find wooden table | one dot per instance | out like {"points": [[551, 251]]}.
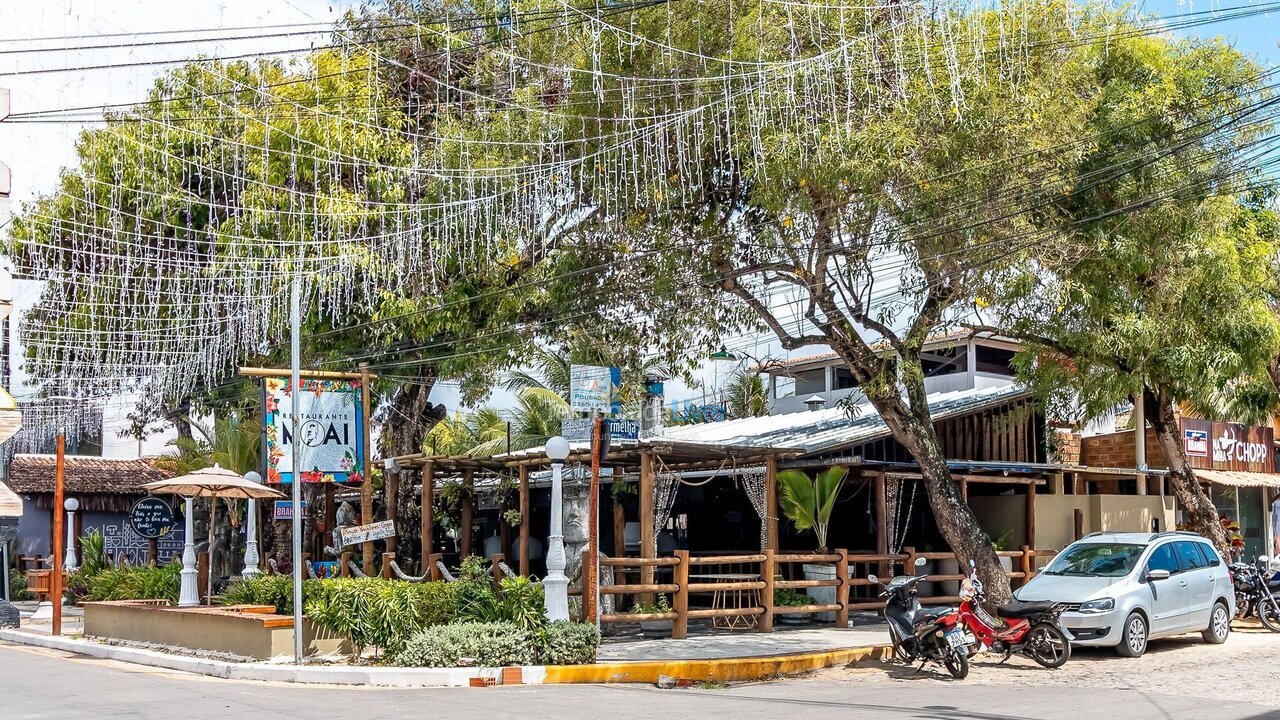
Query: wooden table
{"points": [[734, 599]]}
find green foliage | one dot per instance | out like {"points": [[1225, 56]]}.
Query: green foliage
{"points": [[809, 503], [497, 644], [92, 547], [145, 582], [18, 585], [786, 597], [519, 601], [746, 395], [660, 604], [569, 643], [479, 643]]}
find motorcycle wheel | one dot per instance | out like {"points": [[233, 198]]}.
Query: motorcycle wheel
{"points": [[1269, 613], [1242, 606], [1047, 645], [957, 663]]}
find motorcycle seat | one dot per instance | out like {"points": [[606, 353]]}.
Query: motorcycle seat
{"points": [[1020, 609], [929, 614]]}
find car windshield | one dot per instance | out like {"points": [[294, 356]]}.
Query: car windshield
{"points": [[1096, 560]]}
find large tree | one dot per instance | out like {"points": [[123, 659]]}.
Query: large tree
{"points": [[1159, 290]]}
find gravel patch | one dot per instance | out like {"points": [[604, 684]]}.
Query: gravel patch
{"points": [[1243, 669]]}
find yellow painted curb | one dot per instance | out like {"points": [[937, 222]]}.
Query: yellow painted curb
{"points": [[752, 668]]}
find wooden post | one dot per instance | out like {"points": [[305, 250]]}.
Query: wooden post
{"points": [[964, 490], [391, 492], [504, 529], [468, 511], [768, 569], [910, 567], [366, 484], [495, 562], [648, 543], [619, 516], [55, 569], [1027, 565], [433, 566], [344, 570], [202, 576], [153, 551], [1079, 513], [524, 520], [680, 628], [428, 505], [842, 590], [387, 559], [1031, 515], [771, 501]]}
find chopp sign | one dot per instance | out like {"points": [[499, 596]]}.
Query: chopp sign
{"points": [[1228, 446]]}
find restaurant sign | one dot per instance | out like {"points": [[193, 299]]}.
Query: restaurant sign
{"points": [[1228, 446], [331, 430]]}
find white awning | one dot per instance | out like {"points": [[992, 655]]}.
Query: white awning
{"points": [[10, 503], [1240, 478]]}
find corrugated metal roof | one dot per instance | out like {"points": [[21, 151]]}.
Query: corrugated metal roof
{"points": [[816, 431]]}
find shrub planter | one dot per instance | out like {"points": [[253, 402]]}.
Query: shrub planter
{"points": [[821, 595], [656, 628], [797, 618]]}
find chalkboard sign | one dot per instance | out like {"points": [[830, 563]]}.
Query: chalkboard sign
{"points": [[151, 518]]}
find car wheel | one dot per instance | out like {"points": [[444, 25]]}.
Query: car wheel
{"points": [[1219, 625], [1133, 642]]}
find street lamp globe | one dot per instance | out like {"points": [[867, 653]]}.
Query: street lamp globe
{"points": [[253, 476], [71, 505], [557, 449]]}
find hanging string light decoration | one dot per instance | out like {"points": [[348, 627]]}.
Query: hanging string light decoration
{"points": [[381, 169]]}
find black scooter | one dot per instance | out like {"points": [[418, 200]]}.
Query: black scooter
{"points": [[926, 635]]}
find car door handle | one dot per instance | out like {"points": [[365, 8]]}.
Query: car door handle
{"points": [[1182, 583]]}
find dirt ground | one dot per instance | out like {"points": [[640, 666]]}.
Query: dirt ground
{"points": [[1245, 668]]}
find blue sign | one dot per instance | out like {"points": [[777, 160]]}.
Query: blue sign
{"points": [[618, 428]]}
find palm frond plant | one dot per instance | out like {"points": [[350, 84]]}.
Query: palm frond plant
{"points": [[808, 503], [746, 395]]}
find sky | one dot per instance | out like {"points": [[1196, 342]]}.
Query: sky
{"points": [[37, 152]]}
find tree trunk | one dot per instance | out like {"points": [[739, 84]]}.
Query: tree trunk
{"points": [[411, 415], [954, 517], [1202, 516]]}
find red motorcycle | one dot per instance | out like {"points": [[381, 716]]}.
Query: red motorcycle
{"points": [[1026, 628]]}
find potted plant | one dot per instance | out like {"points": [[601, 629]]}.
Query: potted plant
{"points": [[654, 628], [808, 504], [786, 597]]}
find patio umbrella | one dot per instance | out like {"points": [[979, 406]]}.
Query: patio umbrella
{"points": [[212, 482]]}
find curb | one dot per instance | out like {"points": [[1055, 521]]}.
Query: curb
{"points": [[726, 669]]}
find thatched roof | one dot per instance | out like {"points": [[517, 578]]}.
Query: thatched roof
{"points": [[32, 474]]}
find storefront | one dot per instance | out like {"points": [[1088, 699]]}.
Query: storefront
{"points": [[1237, 463]]}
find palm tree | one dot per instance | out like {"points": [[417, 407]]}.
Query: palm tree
{"points": [[488, 432], [809, 503], [746, 395]]}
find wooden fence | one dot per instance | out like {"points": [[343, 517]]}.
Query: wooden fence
{"points": [[853, 591]]}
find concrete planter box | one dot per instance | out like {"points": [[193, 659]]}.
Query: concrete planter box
{"points": [[822, 595], [254, 631]]}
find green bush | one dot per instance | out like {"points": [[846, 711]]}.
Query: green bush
{"points": [[18, 585], [146, 582], [274, 590], [569, 643], [481, 644], [518, 601]]}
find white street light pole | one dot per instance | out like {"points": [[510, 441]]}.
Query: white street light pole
{"points": [[295, 402], [251, 533], [69, 562], [555, 584], [189, 594]]}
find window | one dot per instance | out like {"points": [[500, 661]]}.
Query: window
{"points": [[1163, 558], [1096, 560], [844, 379], [944, 361], [1190, 555], [1211, 558], [996, 361]]}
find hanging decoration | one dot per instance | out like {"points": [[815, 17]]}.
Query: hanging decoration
{"points": [[753, 484]]}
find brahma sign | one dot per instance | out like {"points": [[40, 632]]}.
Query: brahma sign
{"points": [[1228, 446]]}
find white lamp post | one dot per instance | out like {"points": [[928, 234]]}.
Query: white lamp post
{"points": [[251, 533], [189, 594], [69, 562], [555, 585]]}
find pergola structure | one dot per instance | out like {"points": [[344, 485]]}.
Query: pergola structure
{"points": [[625, 458]]}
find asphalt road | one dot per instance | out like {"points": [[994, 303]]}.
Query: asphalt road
{"points": [[48, 685]]}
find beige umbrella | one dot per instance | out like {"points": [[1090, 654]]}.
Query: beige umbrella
{"points": [[212, 482]]}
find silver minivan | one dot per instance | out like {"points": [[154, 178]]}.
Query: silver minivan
{"points": [[1124, 589]]}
